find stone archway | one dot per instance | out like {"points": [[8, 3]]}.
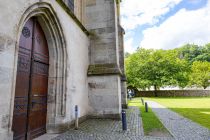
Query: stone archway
{"points": [[56, 104]]}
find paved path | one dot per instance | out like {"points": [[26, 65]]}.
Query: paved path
{"points": [[181, 128], [105, 129]]}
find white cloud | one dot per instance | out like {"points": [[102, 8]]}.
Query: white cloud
{"points": [[129, 46], [139, 12], [184, 27]]}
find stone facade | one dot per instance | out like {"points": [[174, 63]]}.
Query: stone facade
{"points": [[103, 24], [86, 59]]}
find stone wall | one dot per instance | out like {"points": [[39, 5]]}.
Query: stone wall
{"points": [[101, 21], [72, 53], [104, 71], [122, 66], [175, 93], [104, 96], [69, 61]]}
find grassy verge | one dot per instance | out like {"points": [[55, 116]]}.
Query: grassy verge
{"points": [[197, 109], [151, 123]]}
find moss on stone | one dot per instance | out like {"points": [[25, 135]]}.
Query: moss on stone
{"points": [[103, 69]]}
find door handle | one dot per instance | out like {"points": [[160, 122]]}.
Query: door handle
{"points": [[35, 95]]}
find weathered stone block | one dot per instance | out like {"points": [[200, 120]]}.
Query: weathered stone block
{"points": [[105, 98]]}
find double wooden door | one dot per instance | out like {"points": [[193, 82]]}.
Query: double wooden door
{"points": [[30, 104]]}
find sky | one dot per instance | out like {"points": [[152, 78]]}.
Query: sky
{"points": [[165, 24]]}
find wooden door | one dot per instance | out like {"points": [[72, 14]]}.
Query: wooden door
{"points": [[30, 106], [22, 82], [39, 84]]}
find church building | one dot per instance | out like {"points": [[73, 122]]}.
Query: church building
{"points": [[55, 55]]}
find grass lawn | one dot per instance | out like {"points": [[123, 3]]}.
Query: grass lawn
{"points": [[151, 124], [195, 108]]}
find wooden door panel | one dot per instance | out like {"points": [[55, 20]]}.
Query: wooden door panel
{"points": [[39, 85], [38, 110], [41, 53], [30, 105], [19, 126]]}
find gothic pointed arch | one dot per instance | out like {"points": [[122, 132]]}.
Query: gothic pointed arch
{"points": [[56, 98]]}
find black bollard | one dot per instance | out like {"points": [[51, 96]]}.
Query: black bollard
{"points": [[124, 122], [146, 107], [142, 101]]}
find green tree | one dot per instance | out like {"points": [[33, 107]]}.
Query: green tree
{"points": [[205, 55], [133, 65], [156, 68], [191, 52], [200, 74]]}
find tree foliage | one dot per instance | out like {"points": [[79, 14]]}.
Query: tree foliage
{"points": [[147, 68], [181, 67], [191, 52], [200, 75]]}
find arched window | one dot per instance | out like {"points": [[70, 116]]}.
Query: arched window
{"points": [[71, 5], [77, 7]]}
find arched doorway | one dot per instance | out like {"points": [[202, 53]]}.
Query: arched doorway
{"points": [[30, 103]]}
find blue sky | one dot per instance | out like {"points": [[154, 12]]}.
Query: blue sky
{"points": [[165, 24]]}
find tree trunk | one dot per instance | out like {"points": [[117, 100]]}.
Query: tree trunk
{"points": [[155, 86]]}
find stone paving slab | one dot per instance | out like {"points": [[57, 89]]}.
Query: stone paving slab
{"points": [[157, 138], [46, 137], [105, 129], [180, 127]]}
